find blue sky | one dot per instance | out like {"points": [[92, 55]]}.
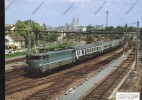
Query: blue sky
{"points": [[50, 12]]}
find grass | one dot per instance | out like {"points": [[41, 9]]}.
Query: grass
{"points": [[16, 54]]}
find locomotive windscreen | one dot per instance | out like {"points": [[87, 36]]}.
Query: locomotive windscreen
{"points": [[34, 57]]}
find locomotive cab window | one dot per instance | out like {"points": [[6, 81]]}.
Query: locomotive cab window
{"points": [[36, 58]]}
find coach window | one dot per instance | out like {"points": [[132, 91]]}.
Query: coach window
{"points": [[98, 48], [78, 52], [92, 49], [82, 51], [87, 50]]}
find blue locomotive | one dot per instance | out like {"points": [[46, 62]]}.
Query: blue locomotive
{"points": [[45, 61]]}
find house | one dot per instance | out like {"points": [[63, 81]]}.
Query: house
{"points": [[14, 41]]}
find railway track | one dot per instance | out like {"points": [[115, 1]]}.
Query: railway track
{"points": [[20, 85], [9, 61], [14, 72], [99, 92], [60, 82]]}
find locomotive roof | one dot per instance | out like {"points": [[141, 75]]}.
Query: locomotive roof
{"points": [[50, 52]]}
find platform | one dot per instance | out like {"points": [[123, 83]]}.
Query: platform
{"points": [[79, 91]]}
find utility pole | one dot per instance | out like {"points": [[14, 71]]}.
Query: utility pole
{"points": [[29, 37], [107, 12], [123, 46], [88, 40], [44, 29], [136, 46]]}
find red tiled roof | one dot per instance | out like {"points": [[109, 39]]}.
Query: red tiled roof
{"points": [[17, 37]]}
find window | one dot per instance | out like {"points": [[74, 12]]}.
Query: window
{"points": [[100, 48], [73, 51], [45, 57], [87, 50], [36, 57], [92, 49], [78, 52], [83, 52]]}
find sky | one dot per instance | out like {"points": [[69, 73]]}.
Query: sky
{"points": [[59, 12]]}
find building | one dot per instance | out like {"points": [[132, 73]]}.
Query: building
{"points": [[75, 23], [14, 41], [9, 26]]}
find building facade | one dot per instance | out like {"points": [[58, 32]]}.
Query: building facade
{"points": [[14, 41]]}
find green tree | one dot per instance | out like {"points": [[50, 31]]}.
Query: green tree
{"points": [[51, 37], [119, 28], [110, 28], [131, 28], [22, 28]]}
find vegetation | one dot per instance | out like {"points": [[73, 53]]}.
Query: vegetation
{"points": [[59, 46], [121, 28], [24, 25], [11, 55], [16, 54], [51, 37]]}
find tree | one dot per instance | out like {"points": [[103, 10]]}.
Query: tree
{"points": [[110, 28], [24, 25], [51, 37], [119, 28], [131, 28]]}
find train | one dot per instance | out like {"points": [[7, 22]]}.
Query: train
{"points": [[42, 62]]}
